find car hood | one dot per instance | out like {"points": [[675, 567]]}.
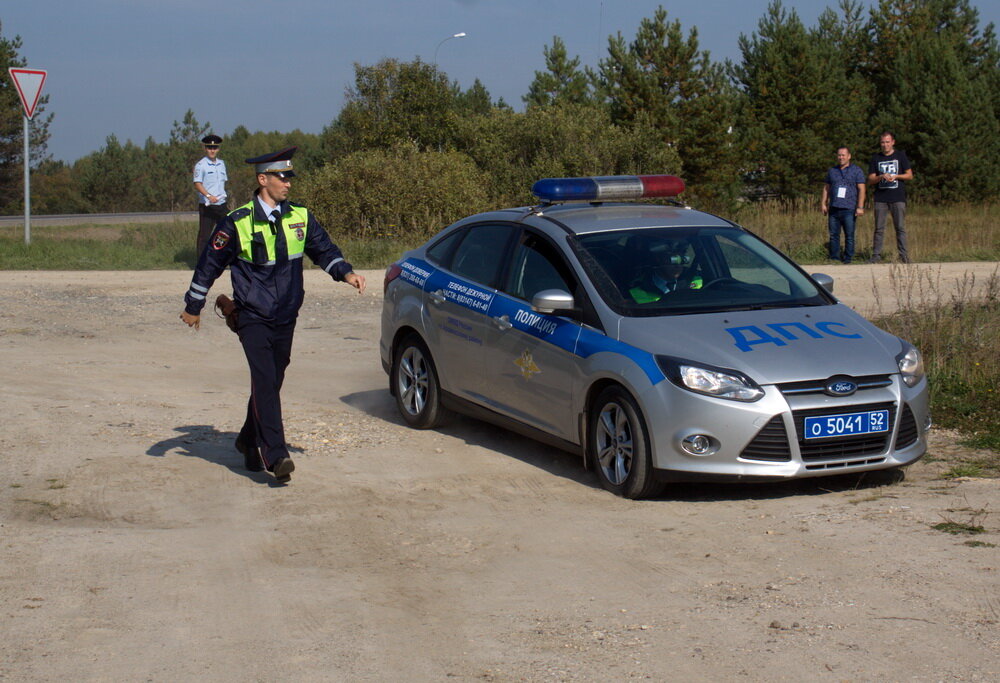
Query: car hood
{"points": [[771, 346]]}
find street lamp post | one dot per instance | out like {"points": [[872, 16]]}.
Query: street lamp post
{"points": [[457, 35]]}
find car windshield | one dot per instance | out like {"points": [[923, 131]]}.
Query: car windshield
{"points": [[675, 271]]}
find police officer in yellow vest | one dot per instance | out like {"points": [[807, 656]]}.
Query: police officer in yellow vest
{"points": [[263, 242]]}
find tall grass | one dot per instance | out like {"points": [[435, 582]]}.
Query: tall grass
{"points": [[936, 234], [959, 337], [957, 232]]}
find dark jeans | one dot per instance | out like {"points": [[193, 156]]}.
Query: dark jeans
{"points": [[268, 349], [208, 216], [898, 212], [837, 219]]}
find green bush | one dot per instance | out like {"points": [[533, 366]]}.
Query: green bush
{"points": [[398, 193], [516, 149]]}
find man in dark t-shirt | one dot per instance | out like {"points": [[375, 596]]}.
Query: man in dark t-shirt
{"points": [[888, 172]]}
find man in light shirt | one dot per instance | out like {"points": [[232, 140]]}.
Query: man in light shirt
{"points": [[210, 183]]}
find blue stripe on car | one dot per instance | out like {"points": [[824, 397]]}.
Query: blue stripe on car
{"points": [[580, 341]]}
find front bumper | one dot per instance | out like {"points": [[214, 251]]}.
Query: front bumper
{"points": [[762, 440]]}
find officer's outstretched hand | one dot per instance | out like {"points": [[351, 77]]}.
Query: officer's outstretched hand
{"points": [[356, 281], [191, 320]]}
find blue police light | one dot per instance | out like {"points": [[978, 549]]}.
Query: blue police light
{"points": [[607, 188]]}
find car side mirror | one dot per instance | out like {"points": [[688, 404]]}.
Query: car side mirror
{"points": [[824, 281], [553, 301]]}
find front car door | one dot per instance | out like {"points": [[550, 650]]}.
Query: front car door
{"points": [[533, 372]]}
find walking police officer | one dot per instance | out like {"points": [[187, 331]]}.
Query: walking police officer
{"points": [[263, 242]]}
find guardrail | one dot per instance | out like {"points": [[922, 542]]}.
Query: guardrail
{"points": [[102, 218]]}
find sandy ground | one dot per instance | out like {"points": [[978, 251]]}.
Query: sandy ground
{"points": [[133, 545]]}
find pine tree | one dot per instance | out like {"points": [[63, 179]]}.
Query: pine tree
{"points": [[664, 81], [800, 103], [937, 82], [562, 83]]}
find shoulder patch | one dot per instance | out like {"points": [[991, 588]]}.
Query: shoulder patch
{"points": [[220, 240]]}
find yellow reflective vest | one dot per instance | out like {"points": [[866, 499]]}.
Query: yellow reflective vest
{"points": [[259, 240]]}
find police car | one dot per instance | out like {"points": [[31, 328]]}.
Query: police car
{"points": [[659, 342]]}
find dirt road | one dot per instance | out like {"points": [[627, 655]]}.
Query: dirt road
{"points": [[133, 545]]}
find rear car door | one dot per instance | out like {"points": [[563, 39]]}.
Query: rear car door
{"points": [[459, 295]]}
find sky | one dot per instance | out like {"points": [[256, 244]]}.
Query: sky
{"points": [[133, 67]]}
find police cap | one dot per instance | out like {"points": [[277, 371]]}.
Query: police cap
{"points": [[213, 140], [279, 163]]}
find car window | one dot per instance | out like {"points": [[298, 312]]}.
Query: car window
{"points": [[440, 252], [664, 271], [536, 266], [478, 256], [747, 266]]}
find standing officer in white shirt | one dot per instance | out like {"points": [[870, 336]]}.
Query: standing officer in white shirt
{"points": [[210, 182]]}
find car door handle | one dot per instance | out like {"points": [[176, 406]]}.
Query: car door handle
{"points": [[503, 322], [437, 297]]}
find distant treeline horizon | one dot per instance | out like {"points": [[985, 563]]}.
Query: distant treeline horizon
{"points": [[410, 150]]}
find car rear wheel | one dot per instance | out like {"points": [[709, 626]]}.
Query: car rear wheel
{"points": [[619, 445], [415, 384]]}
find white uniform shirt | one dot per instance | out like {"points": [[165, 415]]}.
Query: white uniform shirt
{"points": [[211, 174]]}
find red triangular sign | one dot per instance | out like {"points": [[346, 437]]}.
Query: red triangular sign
{"points": [[29, 84]]}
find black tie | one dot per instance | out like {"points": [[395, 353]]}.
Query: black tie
{"points": [[280, 244]]}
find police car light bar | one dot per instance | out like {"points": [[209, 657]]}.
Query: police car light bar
{"points": [[607, 188]]}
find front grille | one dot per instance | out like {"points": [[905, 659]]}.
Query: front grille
{"points": [[843, 447], [908, 434], [843, 463], [818, 386], [770, 444]]}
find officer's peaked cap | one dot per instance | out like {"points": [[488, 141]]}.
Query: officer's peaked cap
{"points": [[279, 163], [212, 139]]}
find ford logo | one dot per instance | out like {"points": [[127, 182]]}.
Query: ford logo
{"points": [[839, 386]]}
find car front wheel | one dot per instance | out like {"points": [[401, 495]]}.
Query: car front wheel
{"points": [[415, 384], [619, 445]]}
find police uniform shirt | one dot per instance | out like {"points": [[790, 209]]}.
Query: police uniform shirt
{"points": [[211, 174], [271, 292]]}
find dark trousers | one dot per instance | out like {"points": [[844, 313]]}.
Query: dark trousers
{"points": [[208, 216], [898, 212], [268, 349], [836, 220]]}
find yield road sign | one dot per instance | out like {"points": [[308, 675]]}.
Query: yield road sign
{"points": [[29, 87]]}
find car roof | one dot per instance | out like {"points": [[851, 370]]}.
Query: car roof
{"points": [[585, 217]]}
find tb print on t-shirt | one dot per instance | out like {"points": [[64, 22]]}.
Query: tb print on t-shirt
{"points": [[888, 166]]}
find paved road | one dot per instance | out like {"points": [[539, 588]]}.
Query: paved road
{"points": [[102, 218]]}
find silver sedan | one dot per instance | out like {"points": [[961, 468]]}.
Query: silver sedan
{"points": [[658, 342]]}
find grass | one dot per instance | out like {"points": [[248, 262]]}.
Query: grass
{"points": [[958, 528], [962, 232], [959, 337], [148, 246]]}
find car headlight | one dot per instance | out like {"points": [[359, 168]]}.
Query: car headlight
{"points": [[702, 379], [911, 364]]}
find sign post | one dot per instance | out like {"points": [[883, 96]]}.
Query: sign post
{"points": [[29, 84]]}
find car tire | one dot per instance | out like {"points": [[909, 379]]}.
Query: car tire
{"points": [[415, 384], [618, 445]]}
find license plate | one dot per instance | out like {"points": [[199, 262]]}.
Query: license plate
{"points": [[848, 424]]}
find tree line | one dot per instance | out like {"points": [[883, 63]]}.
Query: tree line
{"points": [[410, 150]]}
